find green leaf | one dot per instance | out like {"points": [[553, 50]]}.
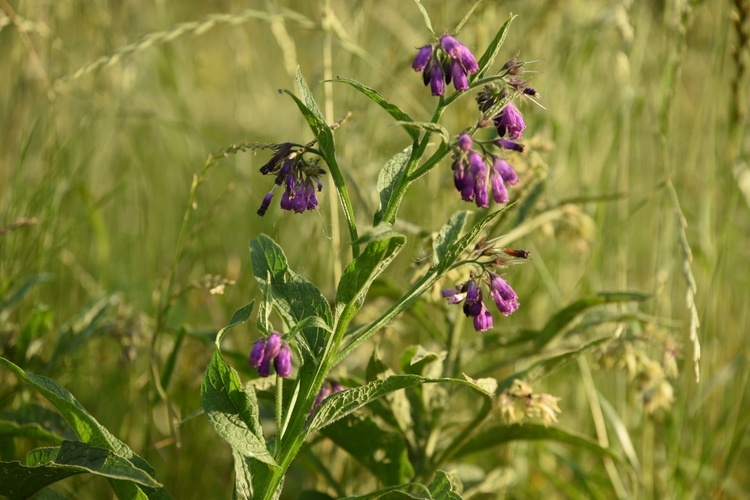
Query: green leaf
{"points": [[429, 126], [466, 17], [389, 178], [243, 488], [392, 109], [491, 437], [426, 17], [294, 297], [362, 271], [88, 429], [454, 250], [232, 410], [485, 62], [35, 421], [563, 319], [73, 457], [442, 487], [343, 403], [383, 453], [448, 234], [24, 288]]}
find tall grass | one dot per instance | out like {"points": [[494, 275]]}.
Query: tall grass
{"points": [[107, 111]]}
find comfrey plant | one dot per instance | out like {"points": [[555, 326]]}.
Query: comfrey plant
{"points": [[469, 263]]}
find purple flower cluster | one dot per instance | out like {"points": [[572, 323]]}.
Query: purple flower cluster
{"points": [[470, 172], [271, 349], [299, 176], [445, 61], [470, 293]]}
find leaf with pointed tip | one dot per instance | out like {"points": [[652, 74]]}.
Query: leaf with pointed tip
{"points": [[232, 409], [454, 250], [295, 298], [362, 271], [448, 234], [485, 62], [389, 177], [87, 428], [35, 421], [496, 435], [562, 320], [425, 17], [343, 403], [72, 458], [392, 109]]}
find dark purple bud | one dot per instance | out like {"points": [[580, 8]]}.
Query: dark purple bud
{"points": [[464, 142], [506, 171], [423, 57], [436, 78], [473, 305], [265, 204], [503, 295], [499, 191], [283, 362], [467, 190], [256, 354], [530, 91], [510, 121], [284, 173], [510, 145], [483, 320], [460, 82], [282, 151], [479, 171], [336, 387], [286, 201]]}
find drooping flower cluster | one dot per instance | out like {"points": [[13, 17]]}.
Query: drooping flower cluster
{"points": [[271, 350], [443, 62], [470, 172], [299, 176], [470, 293]]}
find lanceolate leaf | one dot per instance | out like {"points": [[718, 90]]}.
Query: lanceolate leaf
{"points": [[294, 297], [392, 109], [362, 271], [341, 404], [485, 62], [231, 408], [383, 453], [425, 17], [448, 234], [501, 434], [565, 317], [88, 429], [73, 457], [389, 178], [454, 250]]}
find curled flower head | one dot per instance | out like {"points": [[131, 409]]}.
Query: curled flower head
{"points": [[299, 176], [510, 121], [271, 350], [503, 295], [449, 60]]}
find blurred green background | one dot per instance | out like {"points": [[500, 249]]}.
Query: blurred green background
{"points": [[96, 167]]}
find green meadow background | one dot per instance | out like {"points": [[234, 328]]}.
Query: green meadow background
{"points": [[108, 110]]}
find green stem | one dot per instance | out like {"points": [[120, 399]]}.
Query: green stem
{"points": [[346, 204], [279, 409]]}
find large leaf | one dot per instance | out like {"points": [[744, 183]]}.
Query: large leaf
{"points": [[485, 62], [231, 408], [88, 429], [496, 435], [562, 320], [362, 271], [73, 457], [383, 453], [390, 176], [343, 403], [392, 109], [295, 298], [449, 234]]}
